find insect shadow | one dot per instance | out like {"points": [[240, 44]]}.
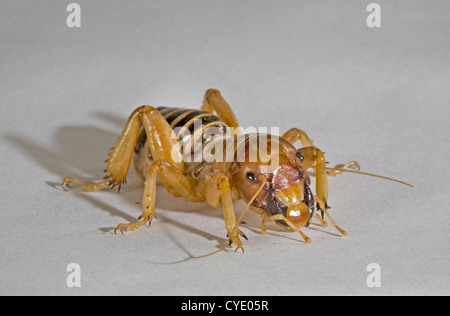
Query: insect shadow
{"points": [[74, 150], [80, 150]]}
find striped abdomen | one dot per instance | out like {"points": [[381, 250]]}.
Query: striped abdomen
{"points": [[192, 128], [183, 120]]}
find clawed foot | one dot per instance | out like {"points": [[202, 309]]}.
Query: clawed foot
{"points": [[234, 239], [133, 226], [237, 243], [87, 187], [66, 181]]}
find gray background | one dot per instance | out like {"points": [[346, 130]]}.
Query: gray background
{"points": [[379, 96]]}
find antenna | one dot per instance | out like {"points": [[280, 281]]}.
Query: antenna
{"points": [[363, 173]]}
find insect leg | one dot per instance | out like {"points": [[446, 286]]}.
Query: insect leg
{"points": [[314, 157], [218, 191], [295, 134], [166, 151], [86, 187], [213, 101], [263, 218], [162, 141], [120, 156], [324, 210], [173, 178], [322, 221]]}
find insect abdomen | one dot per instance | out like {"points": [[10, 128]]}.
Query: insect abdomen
{"points": [[192, 126], [186, 119]]}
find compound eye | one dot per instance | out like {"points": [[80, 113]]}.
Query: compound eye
{"points": [[252, 177], [300, 156]]}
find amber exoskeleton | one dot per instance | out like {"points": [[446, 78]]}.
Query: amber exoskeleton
{"points": [[202, 155]]}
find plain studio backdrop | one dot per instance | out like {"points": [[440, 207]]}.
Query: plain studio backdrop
{"points": [[376, 95]]}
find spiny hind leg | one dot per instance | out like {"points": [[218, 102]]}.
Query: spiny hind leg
{"points": [[120, 156], [86, 187], [161, 138], [173, 179]]}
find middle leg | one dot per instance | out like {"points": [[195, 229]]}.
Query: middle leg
{"points": [[166, 151], [171, 177]]}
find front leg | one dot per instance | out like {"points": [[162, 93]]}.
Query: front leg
{"points": [[218, 191], [314, 158]]}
